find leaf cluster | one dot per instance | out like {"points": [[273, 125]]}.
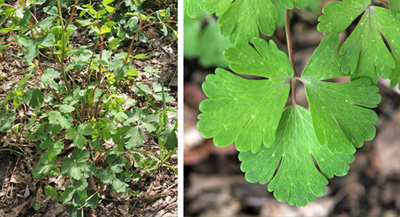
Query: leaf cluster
{"points": [[278, 145]]}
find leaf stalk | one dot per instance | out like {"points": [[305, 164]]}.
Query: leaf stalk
{"points": [[290, 53]]}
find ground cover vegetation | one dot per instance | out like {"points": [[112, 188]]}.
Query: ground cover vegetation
{"points": [[90, 114]]}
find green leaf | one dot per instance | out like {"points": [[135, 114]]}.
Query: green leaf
{"points": [[35, 98], [78, 167], [236, 108], [93, 202], [64, 120], [364, 53], [50, 155], [108, 131], [336, 108], [109, 8], [73, 211], [105, 29], [135, 137], [66, 108], [297, 180], [114, 43], [119, 73], [51, 10], [35, 205], [47, 78], [50, 191], [41, 170], [47, 143], [79, 198], [290, 4], [47, 40], [67, 195], [85, 22], [106, 2], [115, 162], [80, 185], [37, 2], [119, 186], [340, 14], [145, 163], [150, 123], [193, 7], [395, 74], [120, 117], [77, 134], [170, 138], [394, 6], [47, 22], [105, 176], [31, 47], [243, 19], [141, 56], [6, 120]]}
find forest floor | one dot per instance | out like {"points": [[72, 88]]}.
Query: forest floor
{"points": [[157, 190], [215, 185]]}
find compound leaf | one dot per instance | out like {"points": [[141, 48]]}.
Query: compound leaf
{"points": [[31, 48], [135, 137], [77, 135], [105, 176], [297, 179], [41, 170], [47, 78], [115, 162], [64, 120], [339, 111], [364, 53], [245, 111], [78, 167], [35, 97]]}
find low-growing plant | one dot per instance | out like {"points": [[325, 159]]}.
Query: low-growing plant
{"points": [[279, 145], [83, 120]]}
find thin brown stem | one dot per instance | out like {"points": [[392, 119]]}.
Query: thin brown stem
{"points": [[290, 53], [72, 14], [289, 39]]}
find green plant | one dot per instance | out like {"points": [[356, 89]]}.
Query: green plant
{"points": [[86, 127], [252, 113]]}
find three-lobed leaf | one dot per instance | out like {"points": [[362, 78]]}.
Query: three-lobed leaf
{"points": [[64, 120], [78, 167], [336, 108], [364, 53], [77, 134], [297, 179], [35, 98], [245, 111]]}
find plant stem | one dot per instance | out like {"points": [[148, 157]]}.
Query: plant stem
{"points": [[63, 47], [290, 53], [289, 39]]}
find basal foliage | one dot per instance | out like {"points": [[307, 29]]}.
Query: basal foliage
{"points": [[88, 131]]}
